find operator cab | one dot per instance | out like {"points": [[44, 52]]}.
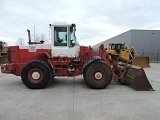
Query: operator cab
{"points": [[63, 40], [117, 47]]}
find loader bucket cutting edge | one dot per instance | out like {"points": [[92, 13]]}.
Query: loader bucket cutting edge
{"points": [[136, 78], [141, 61]]}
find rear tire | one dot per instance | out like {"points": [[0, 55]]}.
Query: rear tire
{"points": [[98, 75], [84, 73], [36, 74]]}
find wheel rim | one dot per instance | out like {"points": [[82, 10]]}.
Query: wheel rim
{"points": [[98, 76], [35, 75]]}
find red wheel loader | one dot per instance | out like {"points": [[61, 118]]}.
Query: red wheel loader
{"points": [[37, 64]]}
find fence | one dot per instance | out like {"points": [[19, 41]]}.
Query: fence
{"points": [[153, 56]]}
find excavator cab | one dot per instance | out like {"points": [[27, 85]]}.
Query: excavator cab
{"points": [[63, 40]]}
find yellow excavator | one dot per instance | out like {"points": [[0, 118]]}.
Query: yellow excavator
{"points": [[119, 52], [3, 52]]}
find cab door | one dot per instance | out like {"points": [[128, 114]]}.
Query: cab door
{"points": [[62, 42], [59, 43]]}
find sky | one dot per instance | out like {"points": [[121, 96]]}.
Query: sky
{"points": [[96, 20]]}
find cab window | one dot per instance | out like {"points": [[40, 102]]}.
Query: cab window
{"points": [[60, 36]]}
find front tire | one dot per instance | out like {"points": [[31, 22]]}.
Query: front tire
{"points": [[98, 75], [36, 74]]}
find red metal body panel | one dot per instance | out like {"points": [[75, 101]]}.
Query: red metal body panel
{"points": [[19, 57], [26, 56], [59, 65]]}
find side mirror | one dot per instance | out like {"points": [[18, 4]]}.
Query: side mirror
{"points": [[72, 43]]}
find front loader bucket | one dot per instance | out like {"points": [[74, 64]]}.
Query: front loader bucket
{"points": [[136, 78], [141, 61]]}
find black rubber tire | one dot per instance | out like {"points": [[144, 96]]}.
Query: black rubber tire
{"points": [[52, 72], [84, 73], [101, 69], [43, 70]]}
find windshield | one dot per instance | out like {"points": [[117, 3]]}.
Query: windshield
{"points": [[117, 46], [73, 38]]}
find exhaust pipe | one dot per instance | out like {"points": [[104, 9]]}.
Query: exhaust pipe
{"points": [[29, 37]]}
